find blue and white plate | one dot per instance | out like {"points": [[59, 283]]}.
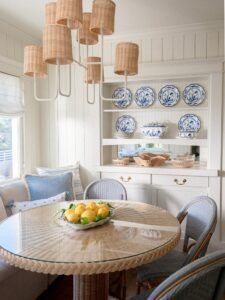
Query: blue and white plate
{"points": [[122, 93], [194, 94], [189, 122], [169, 95], [126, 124], [144, 97]]}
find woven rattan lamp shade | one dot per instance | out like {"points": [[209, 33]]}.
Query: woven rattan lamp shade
{"points": [[102, 18], [50, 13], [93, 72], [57, 45], [70, 13], [126, 59], [86, 36], [33, 62]]}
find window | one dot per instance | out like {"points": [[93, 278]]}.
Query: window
{"points": [[11, 112], [10, 154]]}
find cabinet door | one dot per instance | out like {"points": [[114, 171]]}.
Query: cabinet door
{"points": [[173, 200], [139, 193], [137, 185]]}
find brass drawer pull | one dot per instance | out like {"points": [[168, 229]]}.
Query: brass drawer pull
{"points": [[180, 183], [128, 179]]}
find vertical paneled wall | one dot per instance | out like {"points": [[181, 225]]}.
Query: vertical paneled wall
{"points": [[189, 42], [12, 42], [70, 127]]}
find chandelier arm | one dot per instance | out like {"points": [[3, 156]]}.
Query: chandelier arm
{"points": [[59, 82], [78, 62], [87, 89], [43, 99], [101, 81]]}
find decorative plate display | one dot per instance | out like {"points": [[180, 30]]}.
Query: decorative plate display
{"points": [[189, 122], [126, 124], [122, 93], [80, 216], [194, 94], [144, 96], [169, 95]]}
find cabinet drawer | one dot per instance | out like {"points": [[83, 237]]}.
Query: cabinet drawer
{"points": [[186, 181], [127, 178]]}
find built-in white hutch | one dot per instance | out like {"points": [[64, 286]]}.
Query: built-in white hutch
{"points": [[165, 186]]}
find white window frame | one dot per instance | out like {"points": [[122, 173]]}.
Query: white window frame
{"points": [[14, 68]]}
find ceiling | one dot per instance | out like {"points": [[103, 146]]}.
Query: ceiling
{"points": [[131, 15]]}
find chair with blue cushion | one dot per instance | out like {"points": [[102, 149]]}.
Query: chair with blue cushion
{"points": [[201, 218], [203, 279], [105, 189]]}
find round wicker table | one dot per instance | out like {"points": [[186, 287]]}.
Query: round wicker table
{"points": [[38, 241]]}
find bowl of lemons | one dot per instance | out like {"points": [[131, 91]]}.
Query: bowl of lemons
{"points": [[82, 216]]}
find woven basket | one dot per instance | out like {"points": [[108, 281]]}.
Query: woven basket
{"points": [[33, 62], [85, 35], [120, 162], [93, 73], [57, 45], [50, 13], [69, 12], [126, 59], [103, 17]]}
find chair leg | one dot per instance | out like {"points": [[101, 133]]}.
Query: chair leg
{"points": [[123, 285], [138, 288]]}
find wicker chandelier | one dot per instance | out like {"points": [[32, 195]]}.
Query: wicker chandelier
{"points": [[61, 18]]}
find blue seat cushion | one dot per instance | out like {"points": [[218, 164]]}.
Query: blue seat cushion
{"points": [[42, 187], [163, 267]]}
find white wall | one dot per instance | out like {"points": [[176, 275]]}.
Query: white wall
{"points": [[69, 127], [12, 42]]}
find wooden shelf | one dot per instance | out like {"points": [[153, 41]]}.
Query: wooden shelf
{"points": [[158, 109], [189, 142]]}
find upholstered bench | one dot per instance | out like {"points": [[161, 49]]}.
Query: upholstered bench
{"points": [[18, 284], [15, 283]]}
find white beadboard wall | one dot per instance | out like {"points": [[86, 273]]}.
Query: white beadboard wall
{"points": [[12, 42], [70, 127], [190, 42]]}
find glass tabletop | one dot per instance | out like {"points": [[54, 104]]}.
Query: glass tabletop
{"points": [[135, 229]]}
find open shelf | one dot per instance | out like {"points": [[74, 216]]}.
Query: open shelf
{"points": [[163, 109], [167, 169], [183, 142]]}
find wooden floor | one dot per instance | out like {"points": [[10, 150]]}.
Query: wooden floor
{"points": [[62, 288]]}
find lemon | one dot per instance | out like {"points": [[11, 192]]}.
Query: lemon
{"points": [[103, 205], [92, 206], [68, 211], [81, 204], [79, 210], [103, 212], [89, 214], [73, 218]]}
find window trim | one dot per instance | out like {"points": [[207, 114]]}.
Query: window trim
{"points": [[14, 68]]}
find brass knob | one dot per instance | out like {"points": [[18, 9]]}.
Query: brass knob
{"points": [[125, 180], [180, 183]]}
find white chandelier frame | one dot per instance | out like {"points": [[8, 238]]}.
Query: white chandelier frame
{"points": [[85, 66]]}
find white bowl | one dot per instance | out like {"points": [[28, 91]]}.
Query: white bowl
{"points": [[186, 134], [154, 130]]}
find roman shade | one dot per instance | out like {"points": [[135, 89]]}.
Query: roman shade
{"points": [[11, 95]]}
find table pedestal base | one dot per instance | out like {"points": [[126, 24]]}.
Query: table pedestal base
{"points": [[91, 287]]}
